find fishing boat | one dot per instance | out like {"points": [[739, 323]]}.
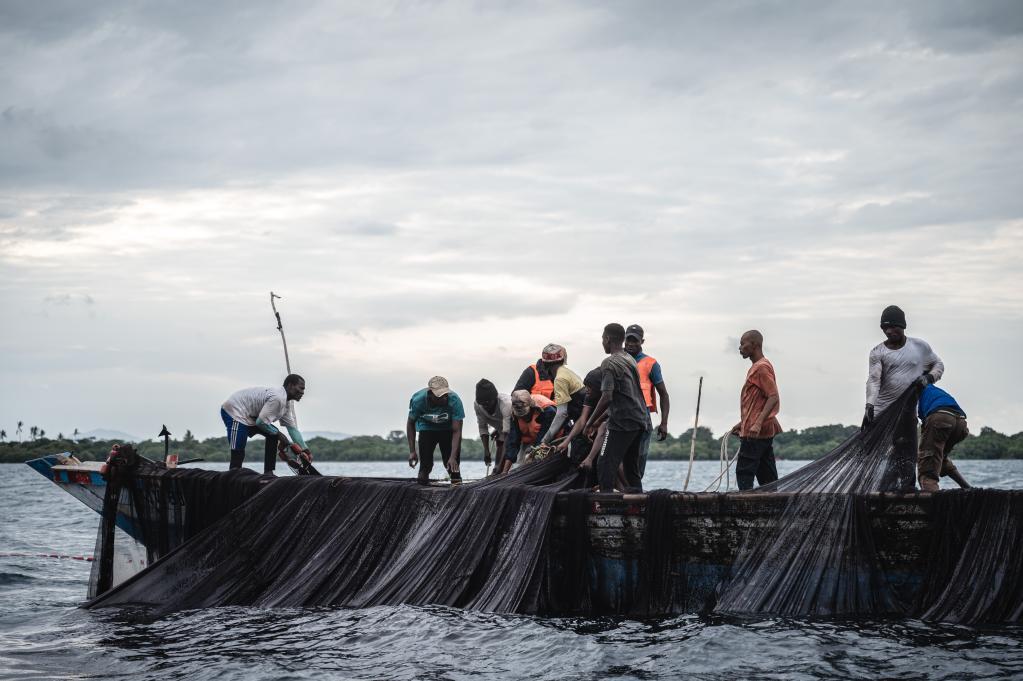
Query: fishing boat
{"points": [[604, 535]]}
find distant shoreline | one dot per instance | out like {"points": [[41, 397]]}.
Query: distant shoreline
{"points": [[805, 445]]}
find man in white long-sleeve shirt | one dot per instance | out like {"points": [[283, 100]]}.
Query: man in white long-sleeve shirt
{"points": [[253, 411], [895, 365]]}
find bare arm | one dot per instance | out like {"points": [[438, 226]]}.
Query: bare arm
{"points": [[559, 418], [770, 404], [485, 439], [577, 428], [602, 405], [410, 434], [662, 394]]}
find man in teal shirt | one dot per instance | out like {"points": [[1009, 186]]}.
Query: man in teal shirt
{"points": [[435, 415]]}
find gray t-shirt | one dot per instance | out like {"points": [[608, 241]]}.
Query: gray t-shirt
{"points": [[500, 420], [890, 371], [627, 410]]}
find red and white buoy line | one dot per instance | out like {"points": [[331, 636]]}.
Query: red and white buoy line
{"points": [[88, 559]]}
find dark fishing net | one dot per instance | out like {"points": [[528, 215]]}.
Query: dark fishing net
{"points": [[314, 541], [658, 560], [818, 557], [569, 591], [167, 507], [974, 568]]}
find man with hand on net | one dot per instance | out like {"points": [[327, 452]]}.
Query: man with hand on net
{"points": [[435, 414], [253, 411], [894, 365], [944, 426], [628, 417], [493, 410], [569, 391], [533, 415]]}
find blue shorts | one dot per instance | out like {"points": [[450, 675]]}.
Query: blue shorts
{"points": [[237, 433]]}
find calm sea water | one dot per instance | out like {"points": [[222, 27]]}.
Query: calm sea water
{"points": [[44, 635]]}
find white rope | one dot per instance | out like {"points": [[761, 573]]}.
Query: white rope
{"points": [[726, 464]]}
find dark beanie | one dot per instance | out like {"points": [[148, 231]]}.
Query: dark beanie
{"points": [[485, 391], [893, 316]]}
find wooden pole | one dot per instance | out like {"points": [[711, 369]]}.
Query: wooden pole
{"points": [[692, 441], [280, 327]]}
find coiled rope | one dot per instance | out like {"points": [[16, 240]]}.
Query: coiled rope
{"points": [[726, 465]]}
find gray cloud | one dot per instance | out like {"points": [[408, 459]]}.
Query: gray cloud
{"points": [[503, 174]]}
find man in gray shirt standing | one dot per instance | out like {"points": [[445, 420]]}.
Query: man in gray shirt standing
{"points": [[628, 417], [895, 365]]}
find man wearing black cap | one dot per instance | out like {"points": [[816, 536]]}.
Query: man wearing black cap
{"points": [[896, 364], [493, 410], [651, 381]]}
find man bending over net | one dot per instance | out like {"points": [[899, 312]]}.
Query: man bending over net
{"points": [[253, 411]]}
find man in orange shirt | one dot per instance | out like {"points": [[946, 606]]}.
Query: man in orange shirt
{"points": [[758, 407]]}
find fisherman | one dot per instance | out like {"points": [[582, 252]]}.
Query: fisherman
{"points": [[253, 411], [651, 381], [895, 365], [628, 417], [435, 413], [569, 391], [758, 410], [493, 410], [587, 434], [533, 416], [944, 426], [538, 377]]}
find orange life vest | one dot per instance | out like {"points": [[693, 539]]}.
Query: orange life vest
{"points": [[544, 388], [529, 425], [644, 367]]}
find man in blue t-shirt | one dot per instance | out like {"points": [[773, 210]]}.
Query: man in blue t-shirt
{"points": [[435, 414], [944, 427]]}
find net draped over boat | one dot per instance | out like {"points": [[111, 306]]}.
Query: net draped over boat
{"points": [[318, 541], [820, 558], [348, 542]]}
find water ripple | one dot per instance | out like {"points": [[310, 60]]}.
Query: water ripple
{"points": [[43, 635]]}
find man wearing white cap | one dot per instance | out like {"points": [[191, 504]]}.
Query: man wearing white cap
{"points": [[435, 414]]}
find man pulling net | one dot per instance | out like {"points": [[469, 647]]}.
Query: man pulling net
{"points": [[253, 411]]}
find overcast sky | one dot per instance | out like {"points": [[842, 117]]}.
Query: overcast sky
{"points": [[443, 188]]}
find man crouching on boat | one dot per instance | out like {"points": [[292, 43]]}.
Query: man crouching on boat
{"points": [[253, 411]]}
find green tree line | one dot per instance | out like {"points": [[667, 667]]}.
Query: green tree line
{"points": [[809, 443]]}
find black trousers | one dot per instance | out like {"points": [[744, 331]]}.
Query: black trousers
{"points": [[621, 447], [269, 455], [756, 460], [428, 441]]}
